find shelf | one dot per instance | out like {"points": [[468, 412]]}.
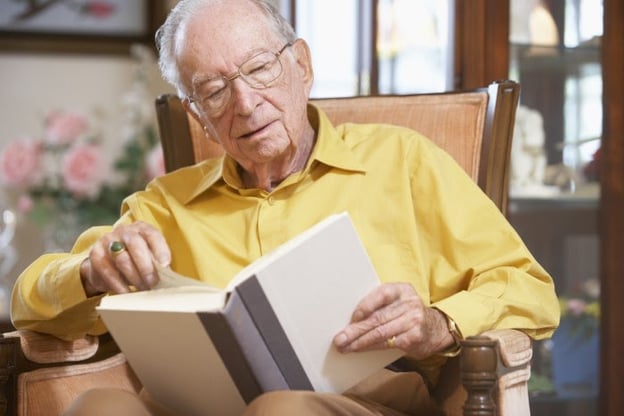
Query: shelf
{"points": [[533, 57], [586, 197]]}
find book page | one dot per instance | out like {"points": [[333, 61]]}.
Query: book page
{"points": [[174, 292], [169, 278], [173, 299]]}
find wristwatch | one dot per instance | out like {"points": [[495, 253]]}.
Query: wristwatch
{"points": [[454, 349]]}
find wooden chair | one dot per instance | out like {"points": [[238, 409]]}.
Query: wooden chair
{"points": [[41, 375]]}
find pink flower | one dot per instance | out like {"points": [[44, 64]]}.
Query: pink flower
{"points": [[20, 163], [64, 128], [98, 9], [25, 204], [155, 163], [577, 306], [83, 170]]}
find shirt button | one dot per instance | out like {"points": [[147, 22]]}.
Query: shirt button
{"points": [[271, 200]]}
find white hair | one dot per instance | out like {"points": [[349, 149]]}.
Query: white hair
{"points": [[168, 39]]}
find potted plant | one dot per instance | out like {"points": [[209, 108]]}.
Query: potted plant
{"points": [[575, 344]]}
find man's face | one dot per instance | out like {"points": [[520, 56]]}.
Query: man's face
{"points": [[256, 126]]}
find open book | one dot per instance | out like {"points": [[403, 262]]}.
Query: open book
{"points": [[200, 350]]}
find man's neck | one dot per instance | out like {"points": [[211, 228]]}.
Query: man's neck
{"points": [[268, 177]]}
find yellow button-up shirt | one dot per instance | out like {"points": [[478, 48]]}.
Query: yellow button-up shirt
{"points": [[421, 219]]}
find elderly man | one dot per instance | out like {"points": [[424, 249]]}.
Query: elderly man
{"points": [[246, 78]]}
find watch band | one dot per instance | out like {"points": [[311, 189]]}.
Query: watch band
{"points": [[452, 328], [454, 349]]}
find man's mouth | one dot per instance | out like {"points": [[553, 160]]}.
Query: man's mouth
{"points": [[255, 132]]}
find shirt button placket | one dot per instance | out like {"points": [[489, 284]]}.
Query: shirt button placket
{"points": [[269, 224]]}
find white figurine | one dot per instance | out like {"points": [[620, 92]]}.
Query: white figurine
{"points": [[528, 157]]}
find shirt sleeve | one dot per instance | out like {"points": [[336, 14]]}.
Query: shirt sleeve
{"points": [[49, 297], [480, 272]]}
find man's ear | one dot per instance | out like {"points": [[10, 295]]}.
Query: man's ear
{"points": [[304, 61], [186, 103]]}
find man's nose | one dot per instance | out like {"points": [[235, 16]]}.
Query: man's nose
{"points": [[244, 96]]}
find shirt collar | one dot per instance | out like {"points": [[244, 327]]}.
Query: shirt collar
{"points": [[330, 148], [211, 172]]}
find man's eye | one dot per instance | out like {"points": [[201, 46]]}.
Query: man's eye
{"points": [[213, 94], [259, 67]]}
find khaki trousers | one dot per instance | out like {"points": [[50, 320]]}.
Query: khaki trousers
{"points": [[386, 393]]}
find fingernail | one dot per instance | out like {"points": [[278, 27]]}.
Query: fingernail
{"points": [[151, 280], [357, 316], [341, 339], [164, 261]]}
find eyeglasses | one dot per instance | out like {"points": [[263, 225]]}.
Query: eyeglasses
{"points": [[258, 72]]}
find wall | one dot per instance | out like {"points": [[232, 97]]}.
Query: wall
{"points": [[32, 84]]}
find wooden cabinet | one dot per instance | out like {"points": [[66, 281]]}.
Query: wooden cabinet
{"points": [[563, 83], [483, 57], [558, 66], [562, 233]]}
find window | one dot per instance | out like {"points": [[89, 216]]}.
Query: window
{"points": [[410, 53], [414, 47]]}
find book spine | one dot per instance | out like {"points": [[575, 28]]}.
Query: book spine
{"points": [[273, 335], [242, 349]]}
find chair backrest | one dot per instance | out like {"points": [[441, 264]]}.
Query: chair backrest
{"points": [[475, 127]]}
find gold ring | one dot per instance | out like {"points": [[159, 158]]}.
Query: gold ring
{"points": [[115, 248], [390, 342]]}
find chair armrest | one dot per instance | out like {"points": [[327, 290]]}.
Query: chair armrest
{"points": [[495, 370], [47, 349], [41, 374]]}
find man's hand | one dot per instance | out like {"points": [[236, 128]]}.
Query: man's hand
{"points": [[394, 311], [141, 245]]}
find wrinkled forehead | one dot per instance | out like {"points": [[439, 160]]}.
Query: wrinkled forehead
{"points": [[219, 38]]}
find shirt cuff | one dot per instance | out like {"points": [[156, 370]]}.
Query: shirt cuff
{"points": [[453, 329], [69, 288]]}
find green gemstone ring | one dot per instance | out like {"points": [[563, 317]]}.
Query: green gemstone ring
{"points": [[116, 248]]}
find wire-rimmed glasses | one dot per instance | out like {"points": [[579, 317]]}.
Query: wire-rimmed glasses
{"points": [[258, 72]]}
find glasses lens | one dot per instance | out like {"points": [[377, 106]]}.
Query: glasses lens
{"points": [[213, 94], [261, 70]]}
